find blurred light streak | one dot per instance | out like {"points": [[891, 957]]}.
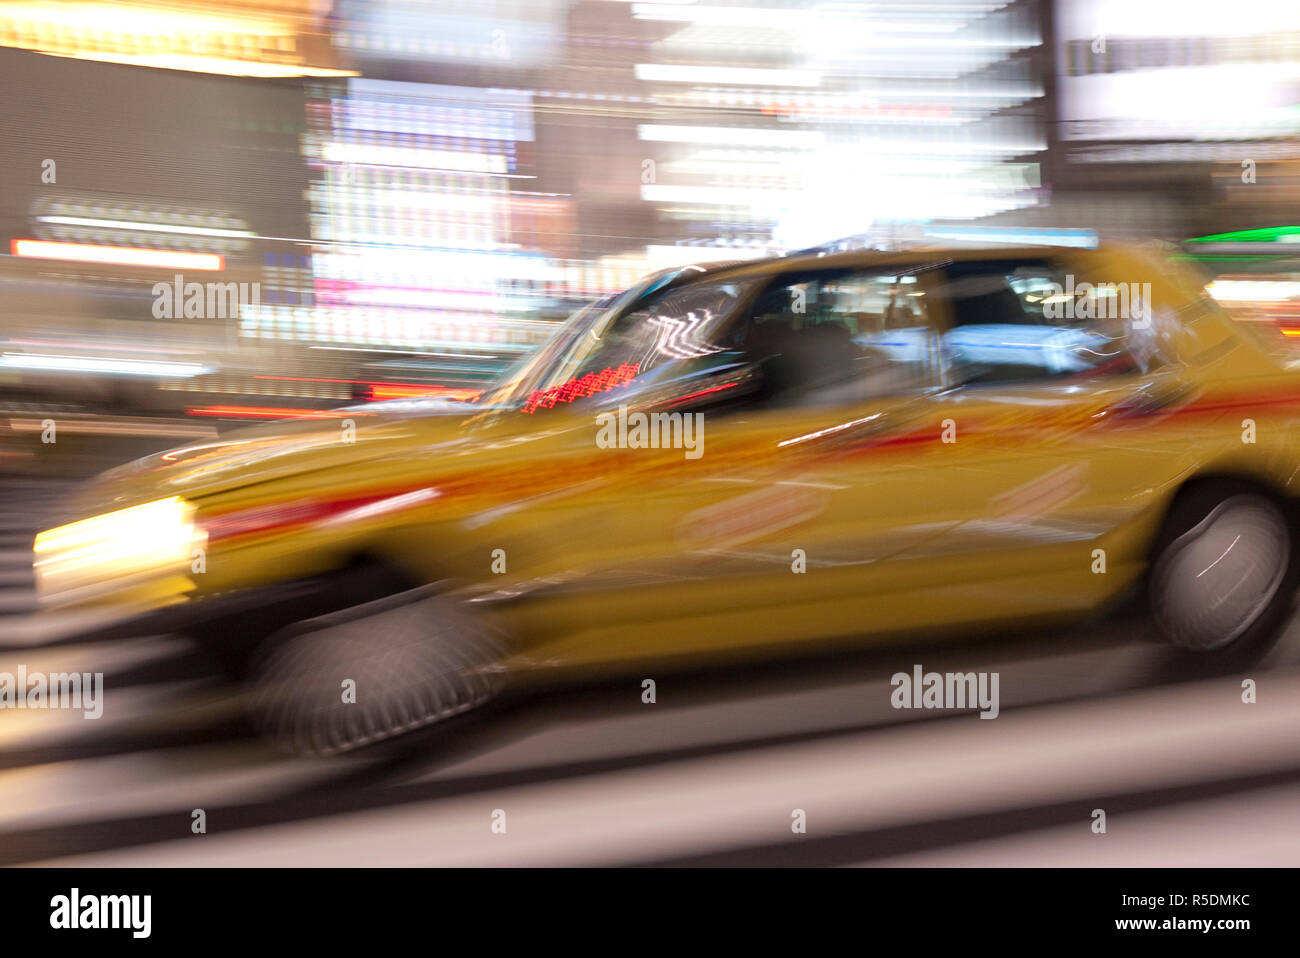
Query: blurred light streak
{"points": [[218, 65], [94, 364], [369, 510], [124, 427], [403, 353], [1288, 235], [1253, 291], [251, 42], [141, 227], [259, 412], [411, 157], [688, 12], [127, 19], [386, 390], [731, 136], [738, 76], [1077, 238], [117, 255], [382, 391], [122, 347]]}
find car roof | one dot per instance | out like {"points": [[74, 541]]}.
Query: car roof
{"points": [[852, 259]]}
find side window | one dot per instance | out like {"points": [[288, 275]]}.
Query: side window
{"points": [[833, 338], [1022, 321]]}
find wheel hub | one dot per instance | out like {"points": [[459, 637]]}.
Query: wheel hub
{"points": [[1217, 578]]}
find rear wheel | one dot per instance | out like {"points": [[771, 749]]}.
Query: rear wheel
{"points": [[1224, 573], [370, 673]]}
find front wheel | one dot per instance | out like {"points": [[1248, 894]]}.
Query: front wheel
{"points": [[373, 672], [1224, 574]]}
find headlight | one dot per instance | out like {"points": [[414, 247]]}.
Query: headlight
{"points": [[94, 555]]}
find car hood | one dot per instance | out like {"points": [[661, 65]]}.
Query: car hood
{"points": [[275, 450]]}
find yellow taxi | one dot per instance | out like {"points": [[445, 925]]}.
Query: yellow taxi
{"points": [[721, 461]]}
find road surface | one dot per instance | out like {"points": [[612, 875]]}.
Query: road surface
{"points": [[717, 771]]}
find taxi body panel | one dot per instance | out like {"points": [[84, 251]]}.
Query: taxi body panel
{"points": [[952, 507]]}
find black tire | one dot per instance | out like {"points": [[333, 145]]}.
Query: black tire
{"points": [[232, 638], [1224, 573], [414, 660]]}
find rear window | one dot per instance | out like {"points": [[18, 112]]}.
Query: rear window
{"points": [[1023, 321]]}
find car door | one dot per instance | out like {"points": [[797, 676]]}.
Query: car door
{"points": [[787, 525], [850, 367], [1063, 427]]}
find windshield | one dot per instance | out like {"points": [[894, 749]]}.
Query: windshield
{"points": [[574, 337]]}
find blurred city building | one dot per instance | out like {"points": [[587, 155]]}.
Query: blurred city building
{"points": [[420, 189]]}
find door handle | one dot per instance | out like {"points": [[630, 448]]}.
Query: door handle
{"points": [[1149, 400]]}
